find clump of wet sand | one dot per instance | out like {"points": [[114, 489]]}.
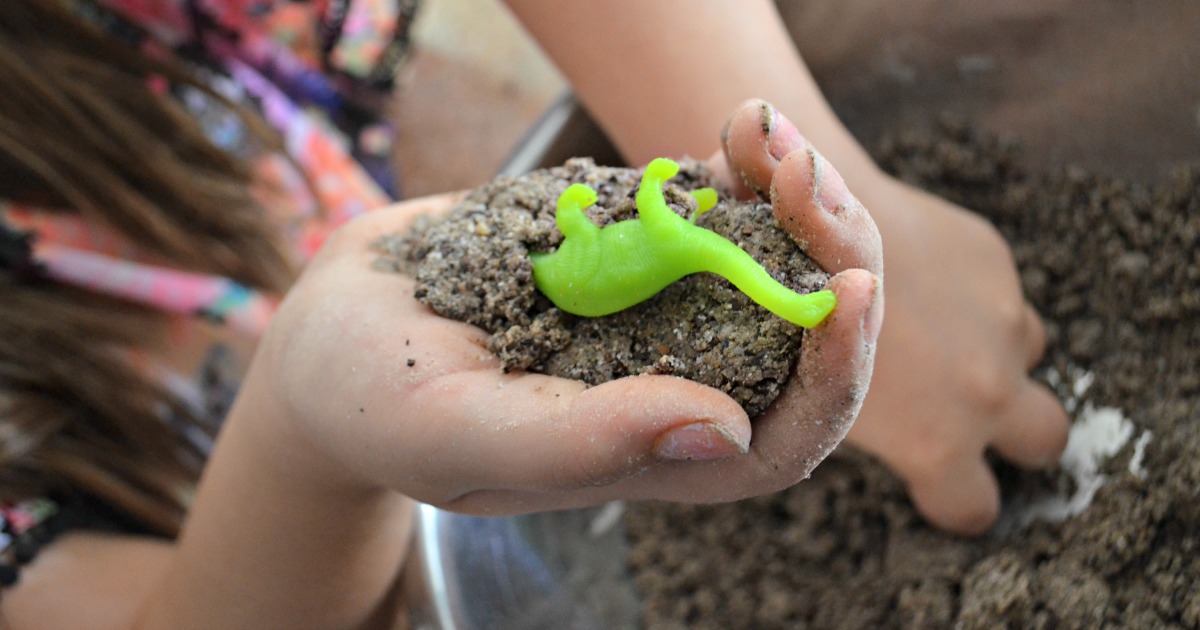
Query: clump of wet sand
{"points": [[473, 265]]}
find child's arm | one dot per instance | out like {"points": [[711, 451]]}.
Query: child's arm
{"points": [[686, 63], [952, 374], [359, 394]]}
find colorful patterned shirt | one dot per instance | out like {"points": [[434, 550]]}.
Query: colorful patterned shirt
{"points": [[318, 71]]}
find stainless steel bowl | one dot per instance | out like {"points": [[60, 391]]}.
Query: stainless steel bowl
{"points": [[547, 570]]}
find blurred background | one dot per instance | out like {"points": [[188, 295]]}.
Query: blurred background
{"points": [[483, 83], [1113, 87]]}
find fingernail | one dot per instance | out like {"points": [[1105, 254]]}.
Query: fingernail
{"points": [[873, 319], [782, 135], [829, 189], [698, 441]]}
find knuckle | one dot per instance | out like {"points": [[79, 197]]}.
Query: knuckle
{"points": [[1032, 326], [585, 472], [930, 462], [987, 385], [988, 240], [1010, 317]]}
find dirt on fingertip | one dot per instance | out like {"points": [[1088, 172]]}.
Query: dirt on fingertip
{"points": [[1114, 267], [473, 265]]}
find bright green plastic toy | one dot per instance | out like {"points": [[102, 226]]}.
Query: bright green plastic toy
{"points": [[597, 272]]}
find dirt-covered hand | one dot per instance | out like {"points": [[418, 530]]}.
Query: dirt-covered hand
{"points": [[951, 378], [385, 393]]}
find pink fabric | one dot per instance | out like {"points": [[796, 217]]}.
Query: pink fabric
{"points": [[280, 37]]}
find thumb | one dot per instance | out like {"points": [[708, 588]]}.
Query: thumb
{"points": [[538, 433]]}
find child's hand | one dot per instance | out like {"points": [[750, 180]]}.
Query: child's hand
{"points": [[954, 359], [385, 393], [952, 377]]}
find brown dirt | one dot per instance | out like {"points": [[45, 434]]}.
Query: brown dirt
{"points": [[1115, 268], [473, 265]]}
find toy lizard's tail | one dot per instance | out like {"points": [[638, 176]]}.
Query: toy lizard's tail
{"points": [[699, 249], [718, 255]]}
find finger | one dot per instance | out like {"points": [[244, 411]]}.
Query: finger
{"points": [[961, 496], [534, 432], [1035, 337], [753, 142], [832, 376], [1034, 431], [812, 203]]}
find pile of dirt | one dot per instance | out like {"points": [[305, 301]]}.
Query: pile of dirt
{"points": [[1115, 269], [473, 265]]}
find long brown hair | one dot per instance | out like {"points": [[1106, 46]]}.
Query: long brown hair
{"points": [[81, 130]]}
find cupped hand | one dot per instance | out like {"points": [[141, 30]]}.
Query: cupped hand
{"points": [[388, 394], [951, 378]]}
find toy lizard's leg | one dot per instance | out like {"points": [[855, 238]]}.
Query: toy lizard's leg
{"points": [[652, 207], [568, 214], [706, 199]]}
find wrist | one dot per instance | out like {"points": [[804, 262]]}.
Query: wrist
{"points": [[276, 427], [279, 535]]}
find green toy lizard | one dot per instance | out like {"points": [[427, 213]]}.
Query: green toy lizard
{"points": [[599, 271]]}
